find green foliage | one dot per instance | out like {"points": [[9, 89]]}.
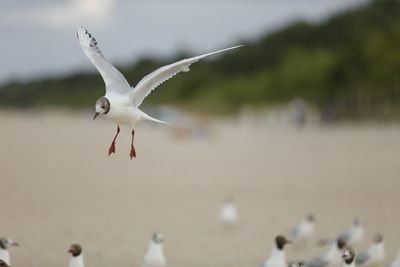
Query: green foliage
{"points": [[351, 61]]}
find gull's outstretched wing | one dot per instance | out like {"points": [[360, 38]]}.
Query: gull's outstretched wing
{"points": [[113, 79], [157, 77]]}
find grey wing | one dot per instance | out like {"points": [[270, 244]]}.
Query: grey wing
{"points": [[112, 77], [317, 262], [362, 257], [294, 233]]}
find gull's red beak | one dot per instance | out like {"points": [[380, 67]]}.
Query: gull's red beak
{"points": [[95, 115]]}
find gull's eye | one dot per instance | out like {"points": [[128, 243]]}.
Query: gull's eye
{"points": [[103, 106]]}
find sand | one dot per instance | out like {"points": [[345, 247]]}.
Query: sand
{"points": [[58, 186]]}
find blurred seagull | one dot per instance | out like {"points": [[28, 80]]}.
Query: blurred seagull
{"points": [[155, 254], [330, 258], [373, 255], [229, 214], [121, 101], [353, 235], [303, 230], [277, 257], [4, 254], [348, 258], [77, 257], [396, 261]]}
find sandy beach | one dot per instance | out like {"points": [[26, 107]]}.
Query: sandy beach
{"points": [[58, 186]]}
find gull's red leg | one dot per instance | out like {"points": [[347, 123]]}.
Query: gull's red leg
{"points": [[112, 147], [133, 152]]}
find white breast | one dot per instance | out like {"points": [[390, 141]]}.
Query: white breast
{"points": [[154, 256], [5, 256], [76, 261], [122, 112], [276, 259]]}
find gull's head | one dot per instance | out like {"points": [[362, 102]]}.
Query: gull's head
{"points": [[102, 107], [157, 238], [229, 200], [5, 242], [348, 255], [357, 222], [3, 264], [378, 238], [310, 218], [340, 244], [281, 241], [75, 250]]}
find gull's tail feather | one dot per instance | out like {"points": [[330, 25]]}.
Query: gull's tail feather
{"points": [[147, 117]]}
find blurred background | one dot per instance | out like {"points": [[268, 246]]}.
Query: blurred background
{"points": [[302, 119]]}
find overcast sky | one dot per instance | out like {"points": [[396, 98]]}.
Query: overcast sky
{"points": [[37, 38]]}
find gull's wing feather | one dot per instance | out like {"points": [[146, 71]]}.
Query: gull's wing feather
{"points": [[363, 256], [157, 77], [317, 262], [113, 79], [294, 233]]}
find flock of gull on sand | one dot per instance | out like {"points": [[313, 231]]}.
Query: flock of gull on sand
{"points": [[339, 251]]}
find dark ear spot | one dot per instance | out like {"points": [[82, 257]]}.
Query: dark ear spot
{"points": [[341, 243], [378, 238], [281, 241]]}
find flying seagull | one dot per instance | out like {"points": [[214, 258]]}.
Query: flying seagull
{"points": [[121, 101]]}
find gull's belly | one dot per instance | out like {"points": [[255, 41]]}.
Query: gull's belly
{"points": [[124, 115]]}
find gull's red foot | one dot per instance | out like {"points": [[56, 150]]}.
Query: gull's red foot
{"points": [[111, 149], [133, 152]]}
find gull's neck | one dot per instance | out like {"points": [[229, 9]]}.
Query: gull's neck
{"points": [[76, 261], [277, 254], [155, 247]]}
